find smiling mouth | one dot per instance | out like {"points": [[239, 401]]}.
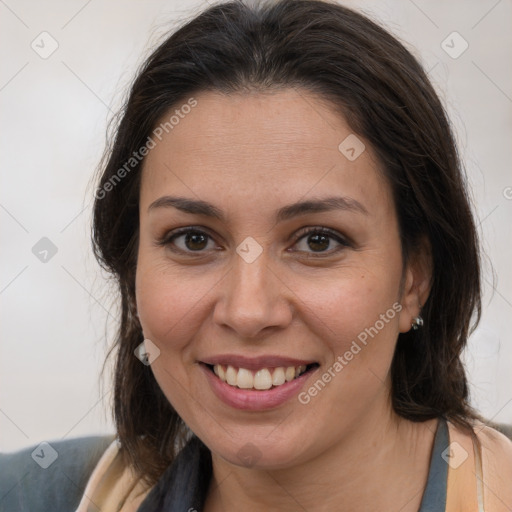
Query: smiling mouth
{"points": [[259, 380]]}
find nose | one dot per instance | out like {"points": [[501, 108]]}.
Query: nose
{"points": [[253, 299]]}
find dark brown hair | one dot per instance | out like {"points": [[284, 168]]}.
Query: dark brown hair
{"points": [[386, 97]]}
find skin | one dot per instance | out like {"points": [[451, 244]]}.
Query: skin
{"points": [[250, 154]]}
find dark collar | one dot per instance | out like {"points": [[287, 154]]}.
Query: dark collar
{"points": [[184, 484], [434, 497]]}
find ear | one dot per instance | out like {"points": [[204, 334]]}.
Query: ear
{"points": [[416, 284]]}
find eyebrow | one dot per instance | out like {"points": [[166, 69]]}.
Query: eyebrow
{"points": [[200, 207]]}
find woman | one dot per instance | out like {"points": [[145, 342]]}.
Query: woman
{"points": [[285, 213]]}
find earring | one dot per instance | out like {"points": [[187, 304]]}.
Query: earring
{"points": [[417, 322]]}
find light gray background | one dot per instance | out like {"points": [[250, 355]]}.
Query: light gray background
{"points": [[54, 114]]}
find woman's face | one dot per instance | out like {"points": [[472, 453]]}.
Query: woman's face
{"points": [[255, 286]]}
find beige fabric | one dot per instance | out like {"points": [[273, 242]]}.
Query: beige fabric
{"points": [[496, 452], [482, 481], [479, 476], [112, 487]]}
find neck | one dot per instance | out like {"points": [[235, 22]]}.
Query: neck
{"points": [[386, 466]]}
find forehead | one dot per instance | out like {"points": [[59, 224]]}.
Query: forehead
{"points": [[260, 146]]}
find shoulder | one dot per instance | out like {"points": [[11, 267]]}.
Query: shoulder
{"points": [[480, 469], [492, 441], [52, 473], [496, 452], [495, 446]]}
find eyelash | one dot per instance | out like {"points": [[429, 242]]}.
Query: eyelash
{"points": [[168, 239]]}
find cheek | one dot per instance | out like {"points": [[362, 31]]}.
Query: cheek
{"points": [[170, 302], [345, 307], [357, 321], [171, 310], [356, 317]]}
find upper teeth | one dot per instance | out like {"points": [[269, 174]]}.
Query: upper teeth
{"points": [[261, 379]]}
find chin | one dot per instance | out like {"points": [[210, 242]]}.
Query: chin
{"points": [[259, 452]]}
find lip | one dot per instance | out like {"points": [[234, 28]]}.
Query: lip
{"points": [[255, 363], [255, 400]]}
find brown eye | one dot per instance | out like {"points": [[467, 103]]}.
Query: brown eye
{"points": [[187, 240], [320, 241], [196, 241]]}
